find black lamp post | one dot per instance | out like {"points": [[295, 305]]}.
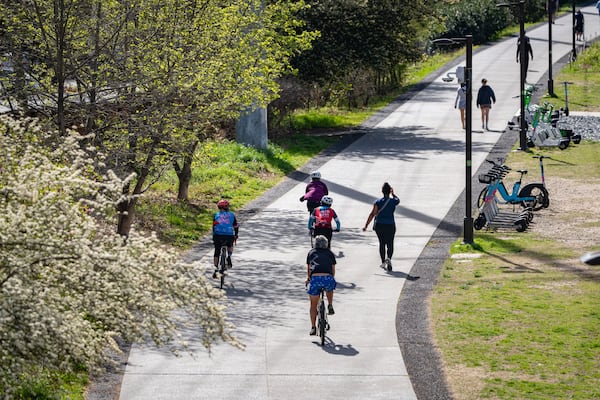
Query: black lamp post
{"points": [[574, 51], [550, 80], [468, 219], [522, 55]]}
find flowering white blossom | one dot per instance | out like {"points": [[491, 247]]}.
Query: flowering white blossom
{"points": [[69, 285]]}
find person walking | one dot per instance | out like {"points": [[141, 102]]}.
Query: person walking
{"points": [[579, 20], [320, 270], [384, 224], [485, 98], [314, 192], [461, 102], [528, 52]]}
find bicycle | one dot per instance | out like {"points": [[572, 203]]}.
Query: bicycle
{"points": [[322, 323], [222, 266], [532, 195]]}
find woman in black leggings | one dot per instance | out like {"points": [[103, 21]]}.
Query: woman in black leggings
{"points": [[384, 225]]}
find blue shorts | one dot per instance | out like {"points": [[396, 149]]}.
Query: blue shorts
{"points": [[320, 281]]}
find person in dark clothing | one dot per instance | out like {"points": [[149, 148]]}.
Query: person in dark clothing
{"points": [[384, 225], [485, 98], [528, 52], [320, 270], [579, 25]]}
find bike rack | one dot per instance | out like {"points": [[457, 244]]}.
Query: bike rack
{"points": [[491, 216]]}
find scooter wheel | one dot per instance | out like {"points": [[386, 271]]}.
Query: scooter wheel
{"points": [[479, 222], [521, 225]]}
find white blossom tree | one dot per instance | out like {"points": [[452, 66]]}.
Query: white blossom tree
{"points": [[70, 285]]}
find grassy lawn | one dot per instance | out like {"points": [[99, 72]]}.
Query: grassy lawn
{"points": [[516, 316], [585, 77]]}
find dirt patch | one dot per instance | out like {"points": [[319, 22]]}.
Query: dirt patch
{"points": [[572, 217]]}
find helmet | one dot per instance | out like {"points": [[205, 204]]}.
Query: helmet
{"points": [[223, 204], [321, 242], [326, 201], [315, 175]]}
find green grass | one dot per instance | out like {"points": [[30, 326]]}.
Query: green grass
{"points": [[47, 385], [521, 321], [222, 170], [585, 75], [527, 333]]}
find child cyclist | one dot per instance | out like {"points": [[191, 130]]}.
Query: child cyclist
{"points": [[225, 232], [319, 222]]}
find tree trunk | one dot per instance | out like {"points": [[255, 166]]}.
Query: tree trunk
{"points": [[126, 209], [184, 174]]}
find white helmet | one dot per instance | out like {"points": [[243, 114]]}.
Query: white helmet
{"points": [[326, 201], [315, 175]]}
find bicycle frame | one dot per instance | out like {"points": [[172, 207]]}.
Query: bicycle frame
{"points": [[534, 195]]}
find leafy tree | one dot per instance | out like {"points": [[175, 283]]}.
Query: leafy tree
{"points": [[152, 76], [68, 285], [374, 36]]}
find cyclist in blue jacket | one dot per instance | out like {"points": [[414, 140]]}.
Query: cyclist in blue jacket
{"points": [[225, 232]]}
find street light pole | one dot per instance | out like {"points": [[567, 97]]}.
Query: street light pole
{"points": [[574, 51], [523, 49], [550, 80], [468, 220], [522, 55]]}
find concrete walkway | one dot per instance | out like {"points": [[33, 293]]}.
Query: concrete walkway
{"points": [[419, 148]]}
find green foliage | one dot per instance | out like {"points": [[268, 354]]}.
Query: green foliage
{"points": [[69, 284], [361, 44], [480, 18], [48, 385]]}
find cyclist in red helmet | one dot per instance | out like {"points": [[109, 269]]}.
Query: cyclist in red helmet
{"points": [[225, 232]]}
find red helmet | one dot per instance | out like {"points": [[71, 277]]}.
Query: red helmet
{"points": [[223, 204]]}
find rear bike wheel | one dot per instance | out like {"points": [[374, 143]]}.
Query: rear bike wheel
{"points": [[481, 198], [322, 321], [222, 265], [541, 199]]}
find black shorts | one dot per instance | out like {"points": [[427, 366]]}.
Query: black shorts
{"points": [[222, 240]]}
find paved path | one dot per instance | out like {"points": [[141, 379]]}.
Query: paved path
{"points": [[419, 149]]}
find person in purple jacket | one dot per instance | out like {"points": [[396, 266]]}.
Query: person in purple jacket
{"points": [[314, 192]]}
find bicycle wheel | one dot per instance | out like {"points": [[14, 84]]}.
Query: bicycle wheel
{"points": [[481, 198], [322, 321], [223, 265], [539, 193]]}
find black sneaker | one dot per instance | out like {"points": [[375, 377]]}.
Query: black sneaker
{"points": [[388, 263], [313, 331], [229, 262], [214, 275], [330, 310]]}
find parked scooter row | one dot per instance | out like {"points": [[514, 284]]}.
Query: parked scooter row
{"points": [[542, 123]]}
